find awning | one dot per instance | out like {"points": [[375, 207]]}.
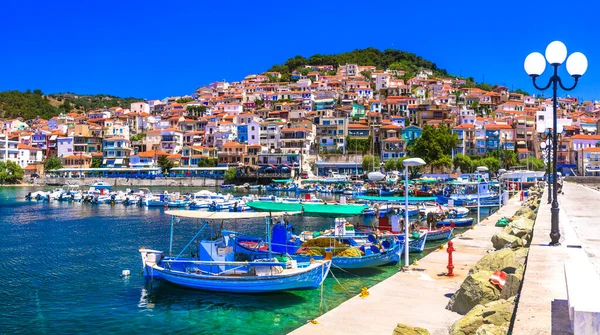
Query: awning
{"points": [[521, 143], [104, 161], [119, 161], [53, 137]]}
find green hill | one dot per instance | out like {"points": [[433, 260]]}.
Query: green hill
{"points": [[389, 58], [30, 104]]}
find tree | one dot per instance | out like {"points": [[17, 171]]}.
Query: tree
{"points": [[230, 175], [443, 161], [463, 162], [196, 111], [370, 163], [165, 164], [137, 137], [96, 162], [390, 165], [366, 74], [53, 163], [508, 158], [10, 172], [208, 162], [434, 144]]}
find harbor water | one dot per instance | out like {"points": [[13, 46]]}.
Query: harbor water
{"points": [[61, 266]]}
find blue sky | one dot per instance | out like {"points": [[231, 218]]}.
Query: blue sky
{"points": [[153, 49]]}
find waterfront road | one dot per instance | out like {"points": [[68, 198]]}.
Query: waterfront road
{"points": [[542, 306], [417, 298]]}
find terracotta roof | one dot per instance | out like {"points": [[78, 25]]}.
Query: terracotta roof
{"points": [[33, 167], [76, 157], [152, 153], [465, 126], [174, 156], [291, 130], [591, 149], [232, 144], [358, 126], [586, 137], [392, 139], [255, 146], [27, 147], [497, 126]]}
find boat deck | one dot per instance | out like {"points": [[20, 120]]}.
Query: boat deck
{"points": [[416, 298]]}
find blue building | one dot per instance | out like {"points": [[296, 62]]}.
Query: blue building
{"points": [[242, 131]]}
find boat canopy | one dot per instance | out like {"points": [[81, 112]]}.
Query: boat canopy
{"points": [[283, 181], [395, 199], [221, 215]]}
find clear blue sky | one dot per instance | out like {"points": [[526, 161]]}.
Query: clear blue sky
{"points": [[153, 49]]}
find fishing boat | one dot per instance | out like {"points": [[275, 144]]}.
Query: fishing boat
{"points": [[333, 176], [460, 222], [441, 234], [458, 212], [349, 252], [308, 208], [101, 185], [523, 179], [215, 268]]}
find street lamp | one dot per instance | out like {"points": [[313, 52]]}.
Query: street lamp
{"points": [[535, 64], [547, 145], [480, 170], [408, 162]]}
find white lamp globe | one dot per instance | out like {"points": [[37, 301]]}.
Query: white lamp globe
{"points": [[577, 64], [535, 64], [556, 52]]}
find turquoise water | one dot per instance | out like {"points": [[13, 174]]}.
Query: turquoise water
{"points": [[61, 264]]}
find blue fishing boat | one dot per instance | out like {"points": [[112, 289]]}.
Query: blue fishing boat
{"points": [[214, 267], [441, 234], [460, 222], [101, 185], [368, 254]]}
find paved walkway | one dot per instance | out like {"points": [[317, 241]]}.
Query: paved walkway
{"points": [[417, 298], [542, 307]]}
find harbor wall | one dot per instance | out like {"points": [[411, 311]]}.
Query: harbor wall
{"points": [[158, 182], [583, 179]]}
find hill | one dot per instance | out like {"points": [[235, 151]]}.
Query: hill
{"points": [[30, 104], [387, 59]]}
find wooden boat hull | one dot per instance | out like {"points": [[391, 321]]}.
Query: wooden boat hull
{"points": [[310, 277], [439, 234], [463, 222], [369, 261]]}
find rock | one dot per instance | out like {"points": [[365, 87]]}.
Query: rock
{"points": [[475, 290], [491, 330], [522, 211], [503, 239], [521, 226], [531, 215], [511, 286], [495, 313], [507, 260], [408, 330]]}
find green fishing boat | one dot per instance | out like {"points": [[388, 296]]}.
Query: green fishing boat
{"points": [[335, 210]]}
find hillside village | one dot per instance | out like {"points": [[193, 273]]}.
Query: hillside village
{"points": [[325, 118]]}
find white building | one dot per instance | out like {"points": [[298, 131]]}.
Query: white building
{"points": [[140, 107], [64, 146], [8, 149], [29, 155]]}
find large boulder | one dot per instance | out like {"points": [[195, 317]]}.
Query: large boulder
{"points": [[503, 239], [521, 226], [523, 211], [511, 286], [531, 215], [475, 290], [507, 260], [492, 330], [408, 330], [495, 313]]}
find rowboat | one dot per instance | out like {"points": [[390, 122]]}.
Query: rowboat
{"points": [[461, 222], [214, 267], [438, 234]]}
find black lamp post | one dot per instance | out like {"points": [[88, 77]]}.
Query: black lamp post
{"points": [[535, 64], [547, 145]]}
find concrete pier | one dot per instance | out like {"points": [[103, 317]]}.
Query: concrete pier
{"points": [[542, 306], [133, 182], [417, 298]]}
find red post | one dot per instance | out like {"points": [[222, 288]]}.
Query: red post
{"points": [[450, 265]]}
